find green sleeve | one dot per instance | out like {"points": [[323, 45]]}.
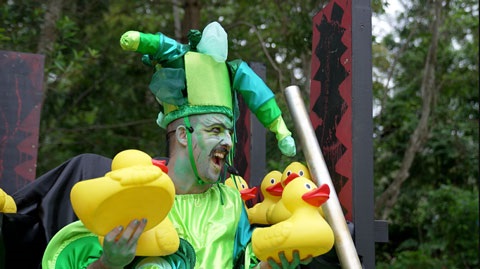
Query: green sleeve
{"points": [[183, 258], [74, 246]]}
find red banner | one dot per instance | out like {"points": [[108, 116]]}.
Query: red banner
{"points": [[21, 83], [331, 94]]}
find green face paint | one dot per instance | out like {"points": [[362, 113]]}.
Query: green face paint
{"points": [[211, 142]]}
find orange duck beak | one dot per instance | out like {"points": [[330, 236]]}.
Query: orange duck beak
{"points": [[248, 194], [318, 196], [289, 179], [275, 190], [162, 164]]}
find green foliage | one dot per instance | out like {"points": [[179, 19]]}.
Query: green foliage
{"points": [[444, 221]]}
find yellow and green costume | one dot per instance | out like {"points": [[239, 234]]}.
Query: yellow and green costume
{"points": [[213, 226]]}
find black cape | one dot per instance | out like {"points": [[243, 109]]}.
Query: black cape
{"points": [[43, 208]]}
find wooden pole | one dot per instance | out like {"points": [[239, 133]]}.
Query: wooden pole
{"points": [[344, 245]]}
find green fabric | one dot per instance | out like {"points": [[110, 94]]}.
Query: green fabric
{"points": [[251, 87], [162, 48], [208, 82], [268, 112], [279, 128], [193, 110], [74, 246], [167, 85], [213, 229], [149, 43]]}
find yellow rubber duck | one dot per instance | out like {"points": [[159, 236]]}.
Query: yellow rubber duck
{"points": [[305, 231], [278, 212], [7, 204], [272, 192], [297, 168], [135, 188], [241, 185]]}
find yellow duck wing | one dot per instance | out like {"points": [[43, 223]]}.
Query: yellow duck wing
{"points": [[278, 213], [136, 175], [7, 204], [258, 213], [267, 242], [159, 241]]}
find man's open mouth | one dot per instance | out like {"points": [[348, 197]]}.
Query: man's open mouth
{"points": [[218, 156]]}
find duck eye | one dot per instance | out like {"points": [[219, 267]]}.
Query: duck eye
{"points": [[289, 172], [272, 180], [300, 173], [243, 186], [308, 186]]}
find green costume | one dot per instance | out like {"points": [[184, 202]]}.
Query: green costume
{"points": [[214, 223]]}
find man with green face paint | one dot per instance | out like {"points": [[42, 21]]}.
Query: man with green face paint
{"points": [[198, 102]]}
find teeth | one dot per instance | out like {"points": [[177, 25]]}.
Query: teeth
{"points": [[219, 155]]}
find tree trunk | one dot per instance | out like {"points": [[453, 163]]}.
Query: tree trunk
{"points": [[177, 21], [385, 203], [191, 18], [48, 34]]}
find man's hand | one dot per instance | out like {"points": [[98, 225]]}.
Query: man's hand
{"points": [[285, 264], [119, 246]]}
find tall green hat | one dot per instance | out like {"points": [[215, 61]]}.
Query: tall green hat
{"points": [[203, 87], [186, 82], [195, 78]]}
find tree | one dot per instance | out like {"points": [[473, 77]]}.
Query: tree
{"points": [[428, 91], [444, 164]]}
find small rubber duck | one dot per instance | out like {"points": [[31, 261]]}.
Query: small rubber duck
{"points": [[272, 192], [279, 212], [297, 168], [305, 231], [135, 188], [241, 185], [7, 204], [301, 170]]}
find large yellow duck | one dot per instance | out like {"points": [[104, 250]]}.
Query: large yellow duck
{"points": [[272, 192], [305, 231], [135, 188], [7, 204]]}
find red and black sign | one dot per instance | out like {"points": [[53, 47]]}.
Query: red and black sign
{"points": [[21, 84], [331, 95]]}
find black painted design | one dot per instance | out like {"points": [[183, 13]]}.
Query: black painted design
{"points": [[330, 106]]}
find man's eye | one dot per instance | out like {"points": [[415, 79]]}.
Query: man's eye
{"points": [[216, 130]]}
